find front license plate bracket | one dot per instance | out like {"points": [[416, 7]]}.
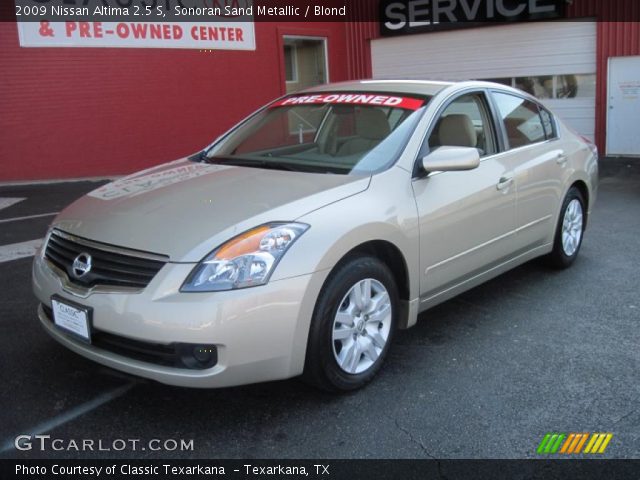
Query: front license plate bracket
{"points": [[72, 318]]}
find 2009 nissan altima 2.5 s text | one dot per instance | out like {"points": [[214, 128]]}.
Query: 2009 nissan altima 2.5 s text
{"points": [[299, 241]]}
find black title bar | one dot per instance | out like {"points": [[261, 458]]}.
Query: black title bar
{"points": [[565, 469]]}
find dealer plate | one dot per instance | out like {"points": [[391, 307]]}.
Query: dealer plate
{"points": [[72, 318]]}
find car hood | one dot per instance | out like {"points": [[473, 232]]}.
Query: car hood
{"points": [[184, 209]]}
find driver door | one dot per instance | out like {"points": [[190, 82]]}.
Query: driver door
{"points": [[467, 219]]}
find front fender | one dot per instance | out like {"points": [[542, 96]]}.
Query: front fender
{"points": [[386, 211]]}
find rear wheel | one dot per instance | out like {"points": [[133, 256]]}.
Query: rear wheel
{"points": [[352, 326], [569, 231]]}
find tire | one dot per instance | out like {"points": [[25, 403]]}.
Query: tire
{"points": [[569, 231], [351, 332]]}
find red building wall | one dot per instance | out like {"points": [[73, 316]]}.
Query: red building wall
{"points": [[87, 112], [617, 37]]}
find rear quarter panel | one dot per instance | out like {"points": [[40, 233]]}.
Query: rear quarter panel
{"points": [[581, 167]]}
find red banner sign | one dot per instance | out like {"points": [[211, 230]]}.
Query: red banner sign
{"points": [[374, 99]]}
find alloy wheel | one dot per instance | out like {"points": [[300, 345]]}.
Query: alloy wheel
{"points": [[572, 227], [361, 326]]}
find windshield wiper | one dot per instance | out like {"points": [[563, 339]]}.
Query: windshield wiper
{"points": [[201, 156], [255, 163]]}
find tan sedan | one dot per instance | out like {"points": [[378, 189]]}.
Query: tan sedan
{"points": [[299, 241]]}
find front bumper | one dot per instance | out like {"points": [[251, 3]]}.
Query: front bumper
{"points": [[260, 333]]}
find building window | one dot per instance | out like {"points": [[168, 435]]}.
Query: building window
{"points": [[305, 65], [290, 63], [553, 86], [305, 62], [575, 86], [539, 87]]}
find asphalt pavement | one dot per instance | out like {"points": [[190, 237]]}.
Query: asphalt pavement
{"points": [[485, 375]]}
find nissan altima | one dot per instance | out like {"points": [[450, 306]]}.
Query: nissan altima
{"points": [[299, 241]]}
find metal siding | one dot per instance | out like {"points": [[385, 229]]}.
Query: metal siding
{"points": [[546, 48], [614, 38], [85, 112], [507, 51]]}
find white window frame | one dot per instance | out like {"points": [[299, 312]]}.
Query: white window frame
{"points": [[294, 62], [325, 49]]}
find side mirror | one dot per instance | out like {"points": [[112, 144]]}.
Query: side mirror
{"points": [[449, 159]]}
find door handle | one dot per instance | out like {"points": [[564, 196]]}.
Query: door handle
{"points": [[504, 183], [561, 159]]}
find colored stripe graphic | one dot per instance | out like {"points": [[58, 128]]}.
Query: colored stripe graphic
{"points": [[570, 439], [557, 443], [573, 443], [543, 443], [598, 443], [581, 444], [596, 446], [551, 443], [605, 444], [592, 441]]}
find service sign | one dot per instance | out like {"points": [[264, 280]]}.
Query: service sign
{"points": [[192, 24], [405, 17]]}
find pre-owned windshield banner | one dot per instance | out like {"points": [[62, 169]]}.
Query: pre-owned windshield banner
{"points": [[375, 99]]}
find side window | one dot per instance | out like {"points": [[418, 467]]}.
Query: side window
{"points": [[464, 123], [521, 119], [548, 124]]}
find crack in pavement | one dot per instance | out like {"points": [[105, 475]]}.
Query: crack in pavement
{"points": [[422, 446], [627, 414], [413, 439]]}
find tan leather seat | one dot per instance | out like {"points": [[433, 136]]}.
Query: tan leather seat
{"points": [[457, 130], [372, 127]]}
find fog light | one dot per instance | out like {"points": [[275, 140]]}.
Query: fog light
{"points": [[198, 357], [203, 354]]}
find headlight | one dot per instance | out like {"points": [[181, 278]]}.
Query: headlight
{"points": [[244, 261]]}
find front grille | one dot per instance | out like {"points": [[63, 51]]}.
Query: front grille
{"points": [[177, 355], [110, 266]]}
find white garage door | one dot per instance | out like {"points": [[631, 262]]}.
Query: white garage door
{"points": [[556, 61]]}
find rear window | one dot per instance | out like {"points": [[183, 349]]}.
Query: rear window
{"points": [[548, 124], [521, 119]]}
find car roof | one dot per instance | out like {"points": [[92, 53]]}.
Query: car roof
{"points": [[393, 86], [420, 87]]}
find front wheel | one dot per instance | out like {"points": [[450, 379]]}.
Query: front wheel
{"points": [[569, 231], [352, 326]]}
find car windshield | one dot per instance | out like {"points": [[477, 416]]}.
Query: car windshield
{"points": [[343, 133]]}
